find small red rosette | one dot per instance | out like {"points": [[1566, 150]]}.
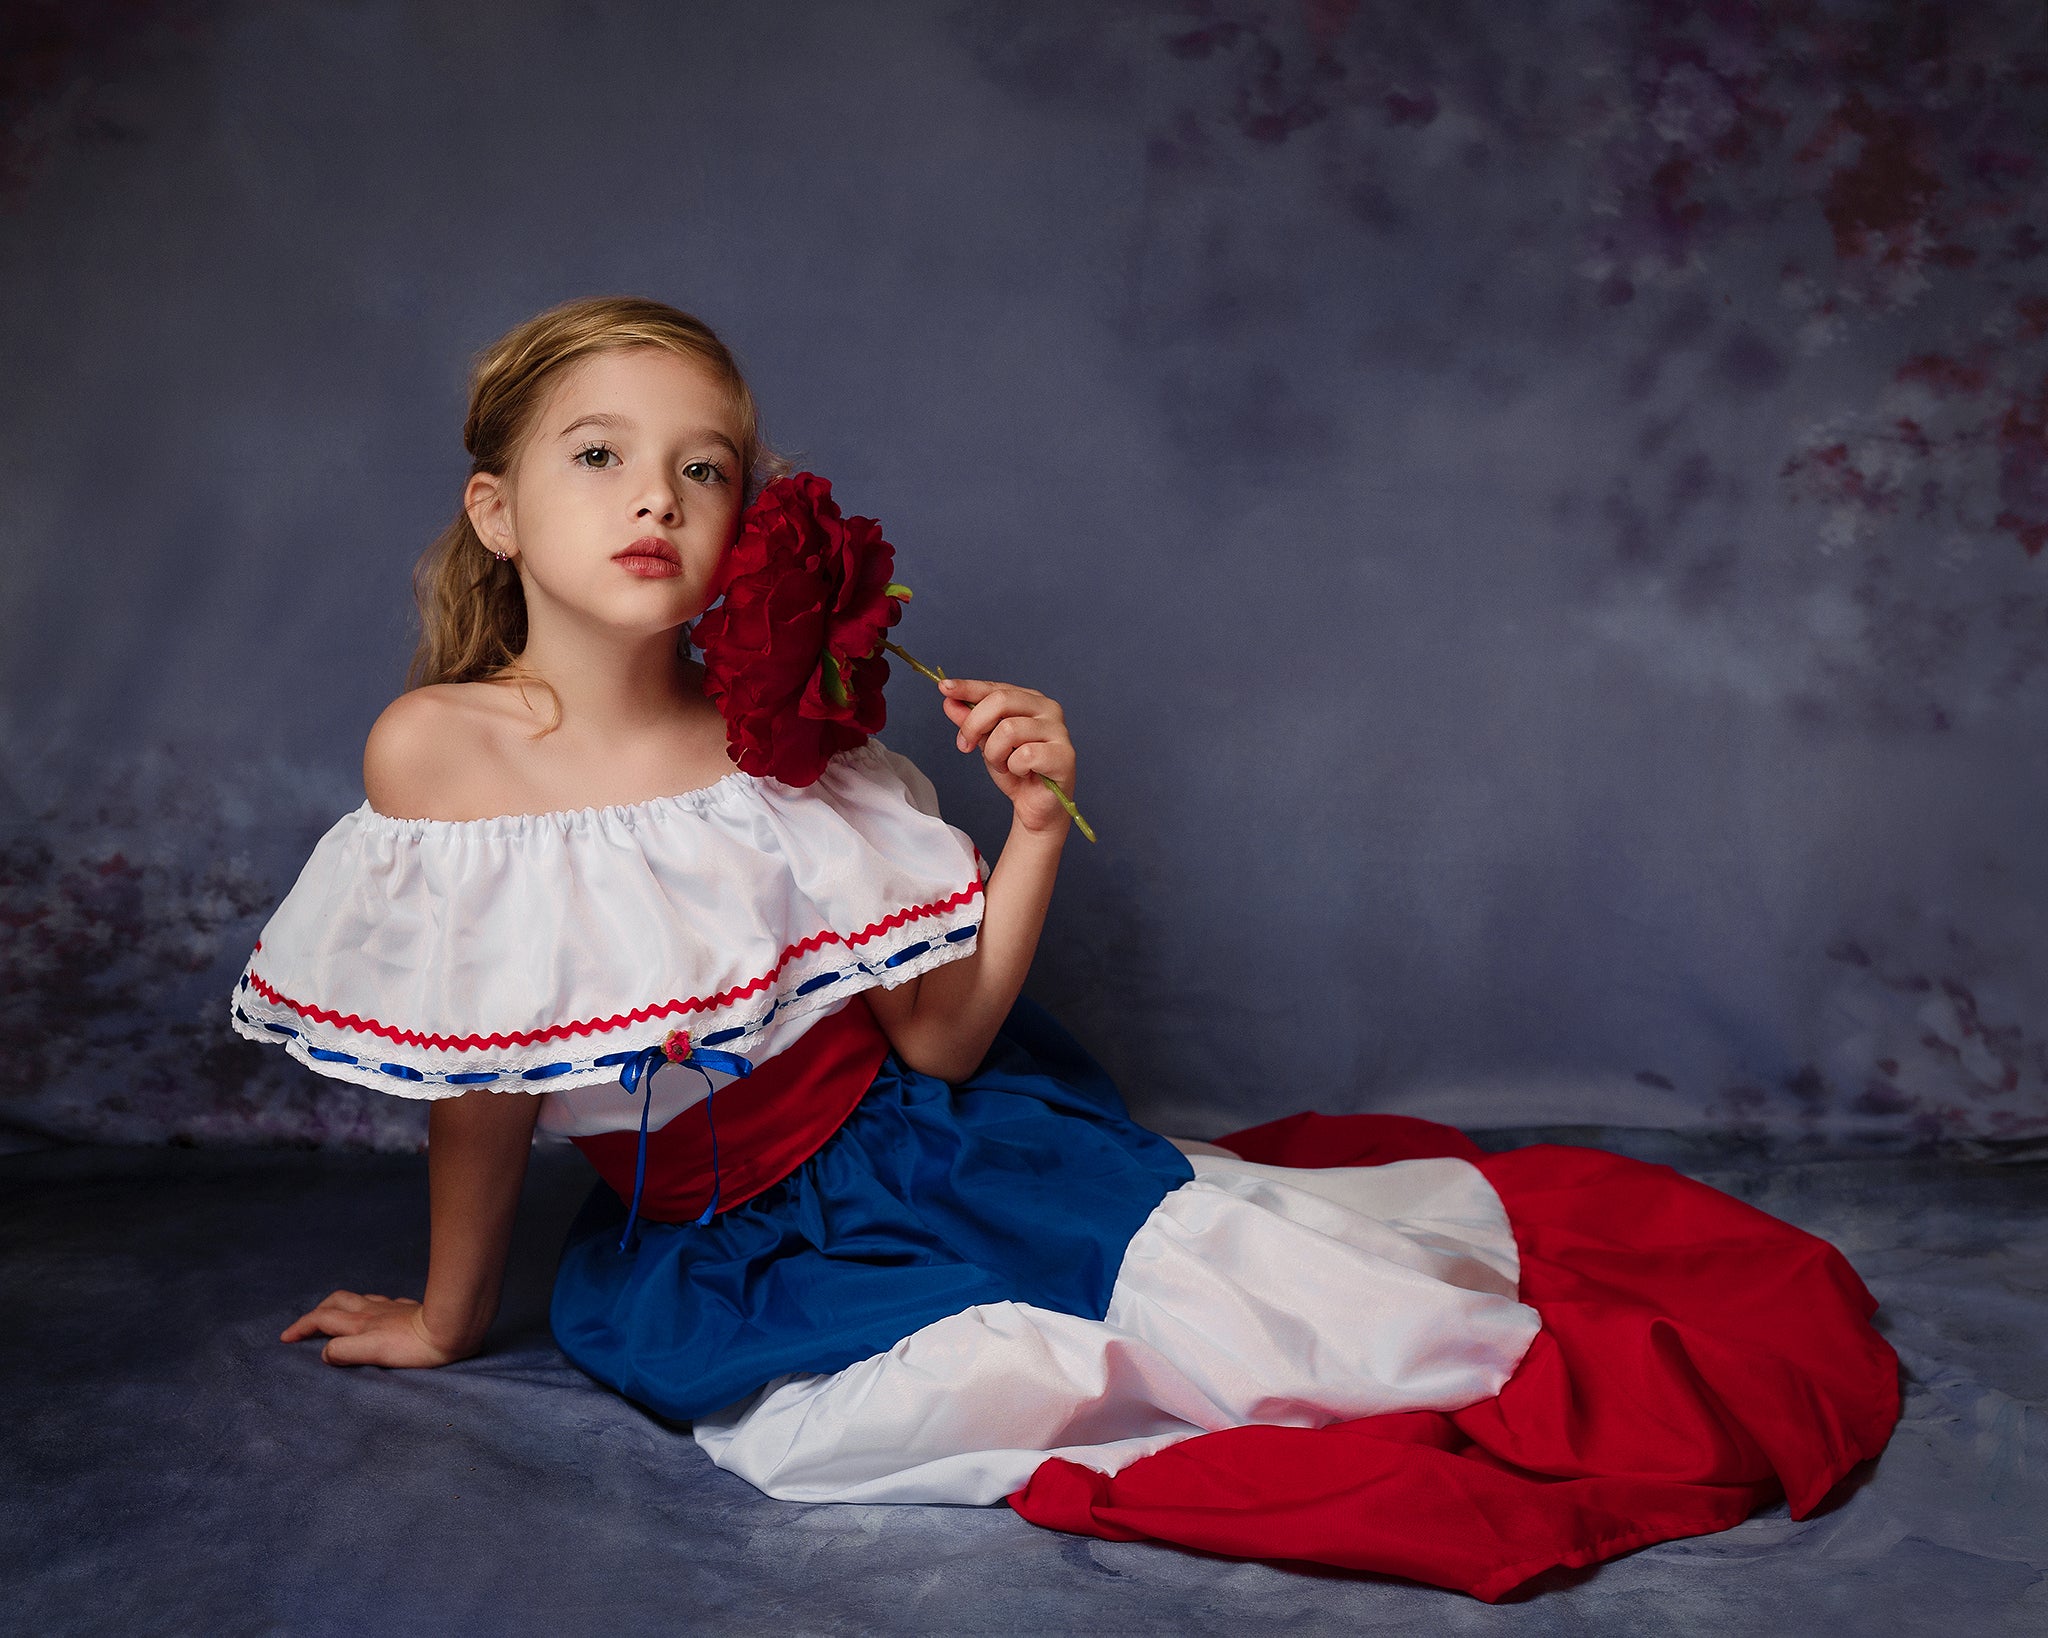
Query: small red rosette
{"points": [[792, 655]]}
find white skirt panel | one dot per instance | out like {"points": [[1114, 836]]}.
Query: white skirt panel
{"points": [[1253, 1294]]}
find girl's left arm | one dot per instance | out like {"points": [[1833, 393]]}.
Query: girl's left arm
{"points": [[944, 1021]]}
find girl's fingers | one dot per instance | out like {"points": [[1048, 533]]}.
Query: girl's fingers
{"points": [[1011, 732], [342, 1314], [309, 1323], [1042, 757], [352, 1348], [1052, 751], [1004, 700], [984, 715], [358, 1326], [386, 1335], [1020, 731], [986, 703]]}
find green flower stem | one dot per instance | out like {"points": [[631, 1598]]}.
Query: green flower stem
{"points": [[915, 662], [1052, 784]]}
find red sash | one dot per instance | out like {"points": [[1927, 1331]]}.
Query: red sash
{"points": [[769, 1122]]}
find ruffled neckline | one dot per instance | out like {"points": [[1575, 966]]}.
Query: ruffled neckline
{"points": [[421, 956], [651, 809]]}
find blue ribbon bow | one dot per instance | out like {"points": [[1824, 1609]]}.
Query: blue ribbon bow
{"points": [[636, 1074]]}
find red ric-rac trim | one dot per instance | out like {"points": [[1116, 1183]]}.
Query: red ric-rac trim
{"points": [[591, 1026]]}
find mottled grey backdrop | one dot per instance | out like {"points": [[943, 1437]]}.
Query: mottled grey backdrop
{"points": [[1535, 512]]}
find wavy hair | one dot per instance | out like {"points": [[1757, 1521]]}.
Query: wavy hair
{"points": [[472, 608]]}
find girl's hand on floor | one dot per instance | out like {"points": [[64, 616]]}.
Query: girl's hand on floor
{"points": [[1022, 734], [372, 1330]]}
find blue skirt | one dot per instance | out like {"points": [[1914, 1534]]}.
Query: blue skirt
{"points": [[1023, 1183]]}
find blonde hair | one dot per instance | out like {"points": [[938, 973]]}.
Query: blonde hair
{"points": [[472, 608]]}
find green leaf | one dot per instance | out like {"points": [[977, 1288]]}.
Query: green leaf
{"points": [[895, 589], [835, 683]]}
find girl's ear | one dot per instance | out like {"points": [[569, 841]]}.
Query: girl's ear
{"points": [[484, 498]]}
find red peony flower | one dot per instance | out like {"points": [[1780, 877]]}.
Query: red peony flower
{"points": [[793, 655]]}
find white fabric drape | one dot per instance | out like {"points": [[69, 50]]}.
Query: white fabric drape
{"points": [[1254, 1294]]}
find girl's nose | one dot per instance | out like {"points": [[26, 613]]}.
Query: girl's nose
{"points": [[665, 505]]}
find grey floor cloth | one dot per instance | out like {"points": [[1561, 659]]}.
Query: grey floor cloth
{"points": [[168, 1466]]}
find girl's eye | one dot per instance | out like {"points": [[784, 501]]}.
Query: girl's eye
{"points": [[704, 472], [594, 449]]}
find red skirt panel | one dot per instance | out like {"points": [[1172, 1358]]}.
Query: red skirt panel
{"points": [[769, 1122], [1698, 1359]]}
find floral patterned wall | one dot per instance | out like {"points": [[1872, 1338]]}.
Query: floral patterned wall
{"points": [[1536, 513]]}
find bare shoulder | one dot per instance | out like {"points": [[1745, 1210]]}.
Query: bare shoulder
{"points": [[427, 750]]}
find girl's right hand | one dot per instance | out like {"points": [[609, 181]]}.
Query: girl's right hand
{"points": [[372, 1330]]}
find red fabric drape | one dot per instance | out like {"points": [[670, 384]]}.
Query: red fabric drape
{"points": [[1698, 1359]]}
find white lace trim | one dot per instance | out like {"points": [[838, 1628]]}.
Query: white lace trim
{"points": [[536, 1072]]}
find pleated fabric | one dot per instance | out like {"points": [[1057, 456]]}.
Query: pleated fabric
{"points": [[1698, 1359], [1023, 1183]]}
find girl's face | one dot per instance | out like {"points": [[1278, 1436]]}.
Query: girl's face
{"points": [[625, 493]]}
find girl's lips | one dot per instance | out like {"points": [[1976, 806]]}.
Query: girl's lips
{"points": [[647, 566], [651, 558]]}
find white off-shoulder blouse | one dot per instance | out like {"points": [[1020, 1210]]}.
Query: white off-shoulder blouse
{"points": [[537, 952]]}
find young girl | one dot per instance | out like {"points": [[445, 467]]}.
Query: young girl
{"points": [[882, 1230]]}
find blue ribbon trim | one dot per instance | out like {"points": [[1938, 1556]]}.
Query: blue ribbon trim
{"points": [[636, 1074]]}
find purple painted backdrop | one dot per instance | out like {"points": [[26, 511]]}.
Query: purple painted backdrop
{"points": [[1536, 513]]}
